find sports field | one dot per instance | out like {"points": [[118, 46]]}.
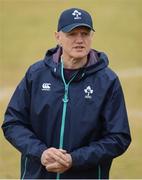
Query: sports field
{"points": [[27, 30]]}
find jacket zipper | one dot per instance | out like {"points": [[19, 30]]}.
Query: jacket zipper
{"points": [[65, 101]]}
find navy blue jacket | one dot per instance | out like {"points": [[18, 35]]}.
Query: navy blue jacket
{"points": [[95, 128]]}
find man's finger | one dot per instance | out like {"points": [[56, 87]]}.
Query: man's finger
{"points": [[63, 151], [60, 159], [53, 167], [60, 153], [58, 156]]}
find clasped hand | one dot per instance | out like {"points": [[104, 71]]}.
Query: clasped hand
{"points": [[56, 160]]}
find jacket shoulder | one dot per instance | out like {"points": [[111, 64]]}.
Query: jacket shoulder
{"points": [[109, 73], [37, 66], [34, 69]]}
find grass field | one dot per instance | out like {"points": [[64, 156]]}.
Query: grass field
{"points": [[27, 30]]}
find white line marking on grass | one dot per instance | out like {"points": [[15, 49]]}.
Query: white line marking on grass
{"points": [[6, 92], [135, 113], [130, 73]]}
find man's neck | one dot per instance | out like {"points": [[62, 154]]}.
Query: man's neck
{"points": [[72, 63]]}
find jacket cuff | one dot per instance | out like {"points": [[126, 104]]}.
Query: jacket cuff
{"points": [[75, 160], [37, 155]]}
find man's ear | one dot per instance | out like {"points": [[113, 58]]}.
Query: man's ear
{"points": [[58, 37]]}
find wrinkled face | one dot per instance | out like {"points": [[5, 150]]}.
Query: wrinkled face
{"points": [[76, 43]]}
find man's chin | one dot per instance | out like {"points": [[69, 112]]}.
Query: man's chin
{"points": [[79, 56]]}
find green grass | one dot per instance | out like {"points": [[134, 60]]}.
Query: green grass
{"points": [[27, 30]]}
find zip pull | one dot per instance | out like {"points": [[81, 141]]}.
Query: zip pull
{"points": [[65, 99]]}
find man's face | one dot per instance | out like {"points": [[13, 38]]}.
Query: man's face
{"points": [[76, 43]]}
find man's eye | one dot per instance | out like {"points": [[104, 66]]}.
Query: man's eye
{"points": [[71, 34], [85, 34]]}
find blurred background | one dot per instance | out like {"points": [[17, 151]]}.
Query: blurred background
{"points": [[27, 30]]}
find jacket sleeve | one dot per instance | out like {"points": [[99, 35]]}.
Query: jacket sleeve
{"points": [[17, 127], [115, 137]]}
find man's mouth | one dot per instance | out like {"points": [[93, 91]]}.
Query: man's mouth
{"points": [[79, 47]]}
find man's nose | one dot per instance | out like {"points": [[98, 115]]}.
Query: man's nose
{"points": [[79, 38]]}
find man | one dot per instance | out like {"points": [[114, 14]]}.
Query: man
{"points": [[67, 116]]}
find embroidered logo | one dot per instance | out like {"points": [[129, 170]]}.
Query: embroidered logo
{"points": [[88, 92], [46, 87], [76, 14]]}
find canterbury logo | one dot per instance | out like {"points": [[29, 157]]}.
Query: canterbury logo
{"points": [[46, 87]]}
